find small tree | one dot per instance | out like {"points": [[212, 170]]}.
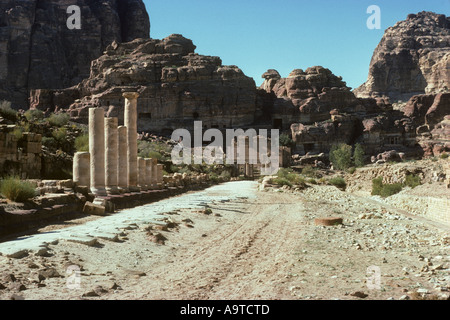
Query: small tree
{"points": [[358, 156], [341, 156], [286, 141]]}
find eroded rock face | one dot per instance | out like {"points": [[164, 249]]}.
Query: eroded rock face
{"points": [[313, 93], [412, 58], [430, 115], [176, 87], [322, 136], [38, 51], [428, 109]]}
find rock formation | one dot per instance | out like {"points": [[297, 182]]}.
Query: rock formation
{"points": [[321, 111], [430, 114], [412, 58], [176, 86], [307, 96], [38, 51]]}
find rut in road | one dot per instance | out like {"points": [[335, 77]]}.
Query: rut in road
{"points": [[244, 259]]}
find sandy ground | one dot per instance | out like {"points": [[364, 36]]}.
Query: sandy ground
{"points": [[264, 247]]}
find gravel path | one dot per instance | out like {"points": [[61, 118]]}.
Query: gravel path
{"points": [[235, 242]]}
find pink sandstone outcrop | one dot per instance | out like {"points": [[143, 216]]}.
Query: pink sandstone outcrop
{"points": [[176, 87], [431, 114], [412, 58], [312, 93]]}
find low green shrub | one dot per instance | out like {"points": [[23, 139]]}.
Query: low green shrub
{"points": [[226, 175], [282, 182], [49, 142], [444, 155], [16, 190], [338, 182], [154, 155], [391, 189], [385, 190], [412, 181], [18, 133], [59, 119], [214, 177], [351, 170], [82, 143], [34, 115], [289, 178], [309, 172], [7, 112], [377, 186], [60, 135]]}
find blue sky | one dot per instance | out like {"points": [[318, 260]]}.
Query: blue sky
{"points": [[257, 35]]}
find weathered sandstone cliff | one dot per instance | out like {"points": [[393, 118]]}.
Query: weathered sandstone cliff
{"points": [[39, 51]]}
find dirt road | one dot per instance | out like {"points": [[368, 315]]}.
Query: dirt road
{"points": [[250, 248]]}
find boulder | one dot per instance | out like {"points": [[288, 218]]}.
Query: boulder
{"points": [[94, 209]]}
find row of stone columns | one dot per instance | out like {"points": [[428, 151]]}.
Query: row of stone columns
{"points": [[112, 165]]}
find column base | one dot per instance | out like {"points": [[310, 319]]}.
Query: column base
{"points": [[112, 190], [123, 190], [100, 192], [134, 189]]}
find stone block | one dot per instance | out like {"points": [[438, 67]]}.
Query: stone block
{"points": [[328, 221], [94, 209]]}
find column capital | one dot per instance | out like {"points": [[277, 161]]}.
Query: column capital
{"points": [[130, 95]]}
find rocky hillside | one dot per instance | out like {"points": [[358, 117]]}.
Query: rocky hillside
{"points": [[38, 51], [176, 86], [311, 94], [412, 58]]}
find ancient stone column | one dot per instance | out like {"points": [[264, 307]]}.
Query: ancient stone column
{"points": [[111, 155], [160, 178], [142, 174], [131, 124], [148, 173], [122, 167], [97, 150], [81, 169], [154, 173], [249, 170]]}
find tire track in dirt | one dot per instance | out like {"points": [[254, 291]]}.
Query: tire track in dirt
{"points": [[244, 259]]}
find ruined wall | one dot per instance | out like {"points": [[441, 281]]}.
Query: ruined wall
{"points": [[438, 210], [20, 157]]}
